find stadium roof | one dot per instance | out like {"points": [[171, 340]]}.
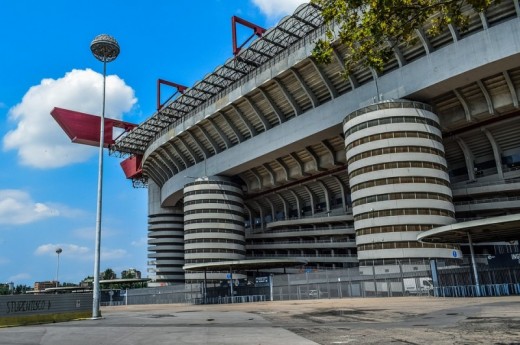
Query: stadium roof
{"points": [[252, 264], [494, 229], [124, 280], [305, 19]]}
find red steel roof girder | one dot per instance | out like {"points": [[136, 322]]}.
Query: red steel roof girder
{"points": [[257, 30]]}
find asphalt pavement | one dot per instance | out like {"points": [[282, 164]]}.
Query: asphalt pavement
{"points": [[161, 325]]}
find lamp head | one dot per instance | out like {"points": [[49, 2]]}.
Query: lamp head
{"points": [[105, 48]]}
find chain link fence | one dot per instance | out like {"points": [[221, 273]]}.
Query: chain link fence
{"points": [[338, 283]]}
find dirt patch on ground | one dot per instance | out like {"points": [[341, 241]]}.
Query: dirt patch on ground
{"points": [[406, 321], [323, 329], [398, 320]]}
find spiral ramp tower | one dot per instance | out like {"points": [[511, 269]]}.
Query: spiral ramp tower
{"points": [[213, 225], [399, 181], [165, 241]]}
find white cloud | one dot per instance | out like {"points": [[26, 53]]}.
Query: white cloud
{"points": [[140, 242], [77, 252], [89, 233], [276, 9], [40, 142], [66, 211], [111, 254], [71, 250], [18, 277], [17, 207]]}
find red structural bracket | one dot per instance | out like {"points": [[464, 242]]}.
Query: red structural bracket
{"points": [[84, 128], [132, 167], [257, 30], [180, 88]]}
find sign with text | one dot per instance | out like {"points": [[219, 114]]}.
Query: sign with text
{"points": [[262, 281], [504, 260]]}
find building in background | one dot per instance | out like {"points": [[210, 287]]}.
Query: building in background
{"points": [[131, 273], [41, 286]]}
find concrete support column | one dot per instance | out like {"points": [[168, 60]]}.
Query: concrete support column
{"points": [[474, 264]]}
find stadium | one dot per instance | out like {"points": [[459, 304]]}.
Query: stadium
{"points": [[274, 162]]}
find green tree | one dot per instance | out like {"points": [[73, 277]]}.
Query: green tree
{"points": [[87, 281], [108, 274], [130, 274], [370, 29], [68, 284], [4, 289], [21, 289]]}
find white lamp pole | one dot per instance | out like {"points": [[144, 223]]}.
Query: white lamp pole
{"points": [[58, 251], [105, 49]]}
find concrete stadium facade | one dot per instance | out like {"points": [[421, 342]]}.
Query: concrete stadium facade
{"points": [[435, 142]]}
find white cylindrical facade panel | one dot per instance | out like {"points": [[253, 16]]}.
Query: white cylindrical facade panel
{"points": [[399, 181], [166, 246], [213, 224]]}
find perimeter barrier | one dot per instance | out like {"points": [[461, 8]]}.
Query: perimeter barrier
{"points": [[488, 290], [17, 310], [337, 283]]}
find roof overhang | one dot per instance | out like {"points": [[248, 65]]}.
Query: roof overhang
{"points": [[244, 265], [494, 229], [125, 281], [84, 128]]}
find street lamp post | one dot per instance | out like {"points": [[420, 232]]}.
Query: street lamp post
{"points": [[58, 251], [105, 49]]}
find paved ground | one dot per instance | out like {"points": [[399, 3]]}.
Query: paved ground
{"points": [[408, 320]]}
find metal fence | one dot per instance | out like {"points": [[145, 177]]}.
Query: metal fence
{"points": [[492, 281], [160, 295], [339, 283], [477, 290], [348, 283]]}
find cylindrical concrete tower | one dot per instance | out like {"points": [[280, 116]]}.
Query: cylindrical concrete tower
{"points": [[213, 225], [165, 241], [399, 183]]}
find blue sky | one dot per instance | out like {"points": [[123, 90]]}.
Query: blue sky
{"points": [[48, 185]]}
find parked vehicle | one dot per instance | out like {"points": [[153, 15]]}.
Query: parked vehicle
{"points": [[418, 286]]}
